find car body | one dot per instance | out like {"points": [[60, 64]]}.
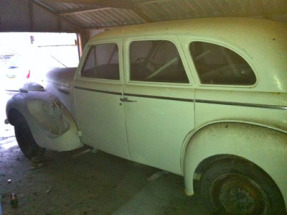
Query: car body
{"points": [[203, 98]]}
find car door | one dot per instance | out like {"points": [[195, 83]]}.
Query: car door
{"points": [[158, 100], [97, 93]]}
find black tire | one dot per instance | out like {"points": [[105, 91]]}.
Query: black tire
{"points": [[237, 187], [25, 138]]}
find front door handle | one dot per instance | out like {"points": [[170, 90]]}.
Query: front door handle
{"points": [[124, 99]]}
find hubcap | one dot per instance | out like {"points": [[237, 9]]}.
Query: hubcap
{"points": [[239, 195]]}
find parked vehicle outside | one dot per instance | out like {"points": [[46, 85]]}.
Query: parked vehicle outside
{"points": [[29, 65], [203, 98]]}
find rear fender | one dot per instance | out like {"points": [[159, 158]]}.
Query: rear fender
{"points": [[265, 147], [51, 124]]}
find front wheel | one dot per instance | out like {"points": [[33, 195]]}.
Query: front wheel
{"points": [[25, 139], [237, 187]]}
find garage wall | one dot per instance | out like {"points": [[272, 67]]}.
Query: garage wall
{"points": [[24, 16]]}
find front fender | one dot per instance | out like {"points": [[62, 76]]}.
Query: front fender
{"points": [[265, 147], [51, 124]]}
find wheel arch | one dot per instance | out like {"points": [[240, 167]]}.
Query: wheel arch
{"points": [[13, 114], [223, 140], [51, 124]]}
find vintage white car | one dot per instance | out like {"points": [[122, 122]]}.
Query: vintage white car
{"points": [[203, 98]]}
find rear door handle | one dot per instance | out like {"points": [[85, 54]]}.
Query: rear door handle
{"points": [[127, 100]]}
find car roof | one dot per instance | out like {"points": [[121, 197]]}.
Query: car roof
{"points": [[262, 42], [212, 26]]}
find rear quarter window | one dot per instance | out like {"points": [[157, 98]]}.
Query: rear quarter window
{"points": [[216, 64]]}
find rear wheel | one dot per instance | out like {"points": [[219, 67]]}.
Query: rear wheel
{"points": [[237, 187], [25, 139]]}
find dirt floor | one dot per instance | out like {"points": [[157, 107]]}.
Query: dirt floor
{"points": [[83, 182]]}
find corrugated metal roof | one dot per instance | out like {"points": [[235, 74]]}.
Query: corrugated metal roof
{"points": [[64, 7], [106, 17], [186, 9], [100, 14]]}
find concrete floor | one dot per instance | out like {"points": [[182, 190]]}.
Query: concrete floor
{"points": [[77, 183]]}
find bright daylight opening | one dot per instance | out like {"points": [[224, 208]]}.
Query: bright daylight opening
{"points": [[26, 57]]}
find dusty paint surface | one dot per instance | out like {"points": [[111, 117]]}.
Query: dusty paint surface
{"points": [[89, 183]]}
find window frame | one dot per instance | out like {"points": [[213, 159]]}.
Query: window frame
{"points": [[186, 40], [217, 46], [85, 56], [174, 40]]}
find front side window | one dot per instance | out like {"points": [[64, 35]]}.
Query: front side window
{"points": [[219, 65], [156, 61], [102, 62]]}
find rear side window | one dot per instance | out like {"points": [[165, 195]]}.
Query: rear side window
{"points": [[219, 65], [102, 62], [156, 61]]}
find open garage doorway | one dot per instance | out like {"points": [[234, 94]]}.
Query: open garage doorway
{"points": [[26, 57]]}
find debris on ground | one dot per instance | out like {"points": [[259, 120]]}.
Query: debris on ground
{"points": [[13, 200], [48, 190], [81, 153], [157, 175], [94, 150], [35, 165]]}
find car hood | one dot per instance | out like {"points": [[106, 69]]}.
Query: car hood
{"points": [[61, 76]]}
